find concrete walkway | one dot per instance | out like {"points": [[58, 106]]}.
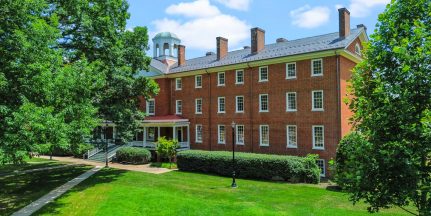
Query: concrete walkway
{"points": [[36, 205], [139, 168]]}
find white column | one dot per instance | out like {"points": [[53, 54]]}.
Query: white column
{"points": [[188, 135], [171, 49], [154, 50], [174, 133], [161, 51], [145, 136]]}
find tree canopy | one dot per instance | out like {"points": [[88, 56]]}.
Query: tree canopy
{"points": [[390, 161]]}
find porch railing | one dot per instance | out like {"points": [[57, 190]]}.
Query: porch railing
{"points": [[181, 144]]}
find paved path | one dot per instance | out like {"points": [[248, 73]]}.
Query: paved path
{"points": [[140, 168], [36, 205]]}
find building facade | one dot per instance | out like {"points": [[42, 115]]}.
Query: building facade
{"points": [[284, 98]]}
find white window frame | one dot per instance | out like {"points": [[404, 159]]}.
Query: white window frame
{"points": [[219, 141], [180, 87], [287, 70], [236, 77], [260, 135], [260, 74], [218, 105], [147, 107], [358, 49], [196, 133], [314, 137], [287, 102], [321, 67], [196, 81], [236, 104], [312, 101], [237, 141], [178, 111], [289, 145], [196, 105], [323, 169], [260, 103], [218, 79]]}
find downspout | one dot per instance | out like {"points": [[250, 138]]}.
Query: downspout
{"points": [[209, 109], [338, 96], [251, 105]]}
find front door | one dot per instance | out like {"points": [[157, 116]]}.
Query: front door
{"points": [[179, 134]]}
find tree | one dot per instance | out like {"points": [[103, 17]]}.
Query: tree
{"points": [[167, 148], [46, 101], [96, 30], [390, 165]]}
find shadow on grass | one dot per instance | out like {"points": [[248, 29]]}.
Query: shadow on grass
{"points": [[20, 190], [104, 176]]}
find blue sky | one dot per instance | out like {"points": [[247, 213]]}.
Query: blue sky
{"points": [[199, 22]]}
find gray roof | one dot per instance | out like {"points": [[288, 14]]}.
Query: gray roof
{"points": [[166, 35], [294, 47]]}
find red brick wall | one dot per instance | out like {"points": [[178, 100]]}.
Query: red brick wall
{"points": [[346, 67], [162, 99], [351, 47]]}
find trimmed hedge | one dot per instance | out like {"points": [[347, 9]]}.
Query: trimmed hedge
{"points": [[251, 165], [133, 155]]}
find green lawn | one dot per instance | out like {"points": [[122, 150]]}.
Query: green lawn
{"points": [[166, 165], [20, 190], [116, 192], [33, 163]]}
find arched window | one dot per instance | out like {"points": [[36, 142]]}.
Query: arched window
{"points": [[157, 51], [165, 49], [358, 49]]}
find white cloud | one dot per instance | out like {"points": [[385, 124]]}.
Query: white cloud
{"points": [[362, 8], [200, 31], [236, 4], [198, 8], [308, 17]]}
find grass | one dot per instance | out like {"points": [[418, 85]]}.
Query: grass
{"points": [[164, 165], [33, 163], [20, 190], [116, 192]]}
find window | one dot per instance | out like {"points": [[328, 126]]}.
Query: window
{"points": [[317, 100], [198, 137], [321, 165], [178, 84], [290, 70], [151, 107], [358, 49], [221, 134], [198, 81], [239, 104], [239, 77], [220, 79], [221, 105], [239, 134], [198, 106], [263, 103], [316, 67], [263, 74], [291, 101], [178, 107], [291, 136], [151, 134], [264, 135], [318, 137]]}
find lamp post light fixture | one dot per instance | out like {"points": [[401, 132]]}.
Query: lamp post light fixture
{"points": [[233, 156], [106, 144]]}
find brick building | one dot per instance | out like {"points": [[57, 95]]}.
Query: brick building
{"points": [[285, 97]]}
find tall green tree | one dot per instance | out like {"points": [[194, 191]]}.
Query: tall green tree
{"points": [[96, 30], [389, 164], [45, 99]]}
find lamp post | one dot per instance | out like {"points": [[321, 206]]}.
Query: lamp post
{"points": [[106, 144], [233, 156]]}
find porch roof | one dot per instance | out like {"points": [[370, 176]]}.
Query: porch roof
{"points": [[172, 119]]}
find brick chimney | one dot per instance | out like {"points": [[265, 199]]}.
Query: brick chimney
{"points": [[344, 22], [181, 55], [221, 47], [257, 40]]}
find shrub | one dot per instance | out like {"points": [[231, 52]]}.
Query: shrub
{"points": [[250, 165], [167, 148], [133, 155], [80, 149]]}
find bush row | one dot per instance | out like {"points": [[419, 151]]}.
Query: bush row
{"points": [[251, 165], [133, 155]]}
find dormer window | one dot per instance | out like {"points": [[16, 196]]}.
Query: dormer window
{"points": [[358, 49]]}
